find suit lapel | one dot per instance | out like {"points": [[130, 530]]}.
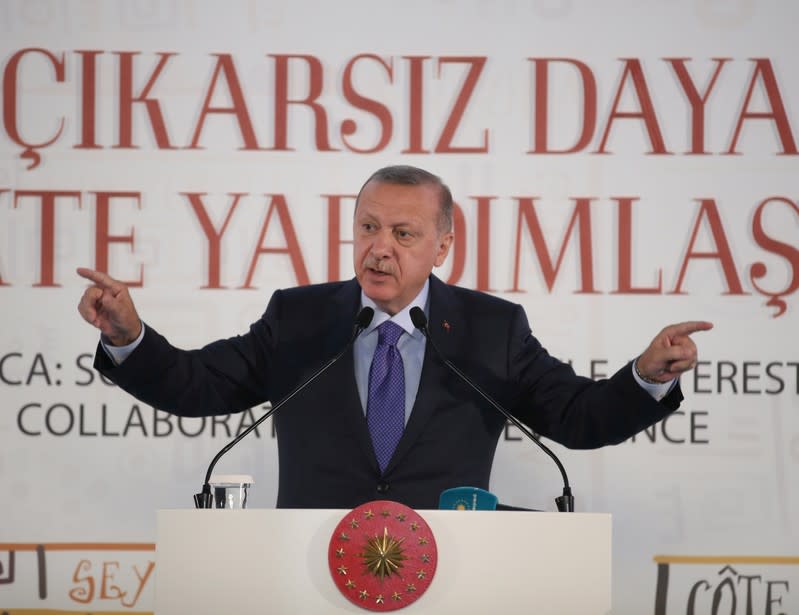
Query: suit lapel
{"points": [[443, 325], [347, 303], [339, 317]]}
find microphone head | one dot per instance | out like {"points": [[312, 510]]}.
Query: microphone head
{"points": [[364, 317], [418, 318]]}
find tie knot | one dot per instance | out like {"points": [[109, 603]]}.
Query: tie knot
{"points": [[388, 333]]}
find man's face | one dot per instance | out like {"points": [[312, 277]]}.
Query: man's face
{"points": [[397, 242]]}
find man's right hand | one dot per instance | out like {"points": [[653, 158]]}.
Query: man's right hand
{"points": [[107, 305]]}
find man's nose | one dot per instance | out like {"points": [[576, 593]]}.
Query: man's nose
{"points": [[382, 245]]}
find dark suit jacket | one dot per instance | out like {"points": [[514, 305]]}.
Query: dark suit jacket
{"points": [[325, 451]]}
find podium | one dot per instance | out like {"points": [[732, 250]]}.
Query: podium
{"points": [[275, 561]]}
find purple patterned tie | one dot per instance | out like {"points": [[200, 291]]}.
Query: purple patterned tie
{"points": [[385, 406]]}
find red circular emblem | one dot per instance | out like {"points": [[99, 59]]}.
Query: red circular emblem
{"points": [[382, 556]]}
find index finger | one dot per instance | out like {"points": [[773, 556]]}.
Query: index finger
{"points": [[688, 327], [101, 279]]}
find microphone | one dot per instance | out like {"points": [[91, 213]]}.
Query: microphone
{"points": [[565, 502], [362, 320]]}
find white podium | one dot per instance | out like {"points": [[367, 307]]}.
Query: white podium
{"points": [[275, 561]]}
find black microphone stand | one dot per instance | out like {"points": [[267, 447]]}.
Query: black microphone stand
{"points": [[565, 502], [204, 499]]}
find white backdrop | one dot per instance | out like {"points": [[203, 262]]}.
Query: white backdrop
{"points": [[665, 131]]}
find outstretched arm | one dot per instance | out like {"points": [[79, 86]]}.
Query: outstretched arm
{"points": [[224, 376]]}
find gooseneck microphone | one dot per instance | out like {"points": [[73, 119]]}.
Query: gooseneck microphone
{"points": [[204, 498], [565, 502]]}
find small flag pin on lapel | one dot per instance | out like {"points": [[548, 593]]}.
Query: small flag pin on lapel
{"points": [[446, 326]]}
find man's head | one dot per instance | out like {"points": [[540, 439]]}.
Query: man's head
{"points": [[402, 229]]}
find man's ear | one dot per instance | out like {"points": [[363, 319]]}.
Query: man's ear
{"points": [[444, 243]]}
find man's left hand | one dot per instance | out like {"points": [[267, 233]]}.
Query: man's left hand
{"points": [[671, 353]]}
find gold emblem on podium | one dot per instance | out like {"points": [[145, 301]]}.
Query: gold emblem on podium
{"points": [[382, 556]]}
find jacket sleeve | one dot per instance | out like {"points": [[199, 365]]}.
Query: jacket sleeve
{"points": [[573, 410], [228, 375]]}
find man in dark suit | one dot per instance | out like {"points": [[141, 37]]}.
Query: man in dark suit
{"points": [[388, 421]]}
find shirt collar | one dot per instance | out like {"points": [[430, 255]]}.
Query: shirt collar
{"points": [[403, 317]]}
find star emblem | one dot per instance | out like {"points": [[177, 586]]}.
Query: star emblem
{"points": [[382, 556]]}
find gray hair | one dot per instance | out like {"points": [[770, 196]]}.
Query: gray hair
{"points": [[406, 175]]}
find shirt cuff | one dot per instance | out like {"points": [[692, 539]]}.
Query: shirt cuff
{"points": [[119, 353], [657, 391]]}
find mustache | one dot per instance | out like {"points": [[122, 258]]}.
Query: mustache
{"points": [[379, 264]]}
